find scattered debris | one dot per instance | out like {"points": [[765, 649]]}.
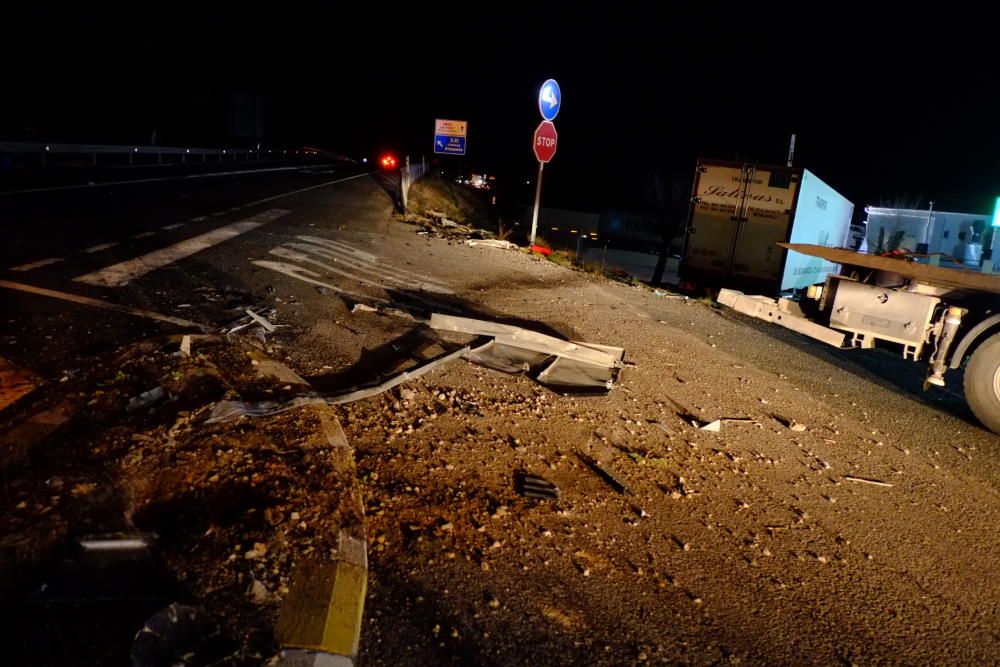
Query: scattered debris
{"points": [[186, 345], [604, 473], [713, 426], [558, 362], [178, 634], [797, 427], [146, 399], [270, 328], [865, 480], [540, 249], [363, 308], [532, 486]]}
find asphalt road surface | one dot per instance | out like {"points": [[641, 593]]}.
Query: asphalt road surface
{"points": [[868, 535]]}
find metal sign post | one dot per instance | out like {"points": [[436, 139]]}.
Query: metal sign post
{"points": [[545, 140], [538, 198]]}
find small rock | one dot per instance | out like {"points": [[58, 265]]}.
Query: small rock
{"points": [[21, 505], [797, 427], [494, 602]]}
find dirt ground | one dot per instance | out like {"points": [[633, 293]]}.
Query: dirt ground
{"points": [[763, 543]]}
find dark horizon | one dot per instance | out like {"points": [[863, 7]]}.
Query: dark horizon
{"points": [[879, 114]]}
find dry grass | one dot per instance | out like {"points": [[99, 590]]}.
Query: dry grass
{"points": [[432, 193]]}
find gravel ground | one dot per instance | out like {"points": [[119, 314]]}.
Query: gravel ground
{"points": [[752, 545], [764, 543]]}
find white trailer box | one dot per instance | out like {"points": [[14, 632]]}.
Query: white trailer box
{"points": [[740, 212]]}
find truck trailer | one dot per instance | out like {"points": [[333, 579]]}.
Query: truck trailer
{"points": [[740, 212], [944, 317]]}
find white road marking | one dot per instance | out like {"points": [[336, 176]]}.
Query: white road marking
{"points": [[384, 273], [338, 247], [285, 253], [35, 265], [121, 273], [198, 218], [343, 247], [157, 179], [143, 235], [97, 303], [98, 248], [176, 225], [309, 276]]}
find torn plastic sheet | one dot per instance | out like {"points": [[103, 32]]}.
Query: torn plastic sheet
{"points": [[557, 362]]}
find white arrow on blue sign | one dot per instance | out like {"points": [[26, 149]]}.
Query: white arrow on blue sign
{"points": [[448, 145], [549, 99]]}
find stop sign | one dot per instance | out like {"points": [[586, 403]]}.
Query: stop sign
{"points": [[545, 141]]}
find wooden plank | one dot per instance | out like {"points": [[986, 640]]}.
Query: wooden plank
{"points": [[925, 273]]}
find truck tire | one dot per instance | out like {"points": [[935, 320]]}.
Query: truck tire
{"points": [[982, 383]]}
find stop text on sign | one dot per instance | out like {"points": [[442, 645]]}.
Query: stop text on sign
{"points": [[546, 141]]}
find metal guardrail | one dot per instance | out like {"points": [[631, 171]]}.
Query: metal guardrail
{"points": [[409, 174], [45, 151]]}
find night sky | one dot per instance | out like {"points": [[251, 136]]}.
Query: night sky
{"points": [[886, 107]]}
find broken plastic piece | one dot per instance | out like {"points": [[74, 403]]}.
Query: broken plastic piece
{"points": [[513, 349], [146, 399], [261, 321]]}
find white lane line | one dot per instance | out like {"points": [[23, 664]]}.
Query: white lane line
{"points": [[35, 265], [121, 273], [98, 248], [198, 218], [215, 174], [176, 225], [97, 303], [143, 235]]}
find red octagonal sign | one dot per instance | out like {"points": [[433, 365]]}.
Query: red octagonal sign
{"points": [[546, 138]]}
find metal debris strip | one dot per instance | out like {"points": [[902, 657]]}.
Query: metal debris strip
{"points": [[866, 480], [604, 474], [228, 410], [491, 243], [557, 362]]}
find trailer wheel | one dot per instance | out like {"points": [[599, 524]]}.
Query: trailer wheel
{"points": [[982, 383]]}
